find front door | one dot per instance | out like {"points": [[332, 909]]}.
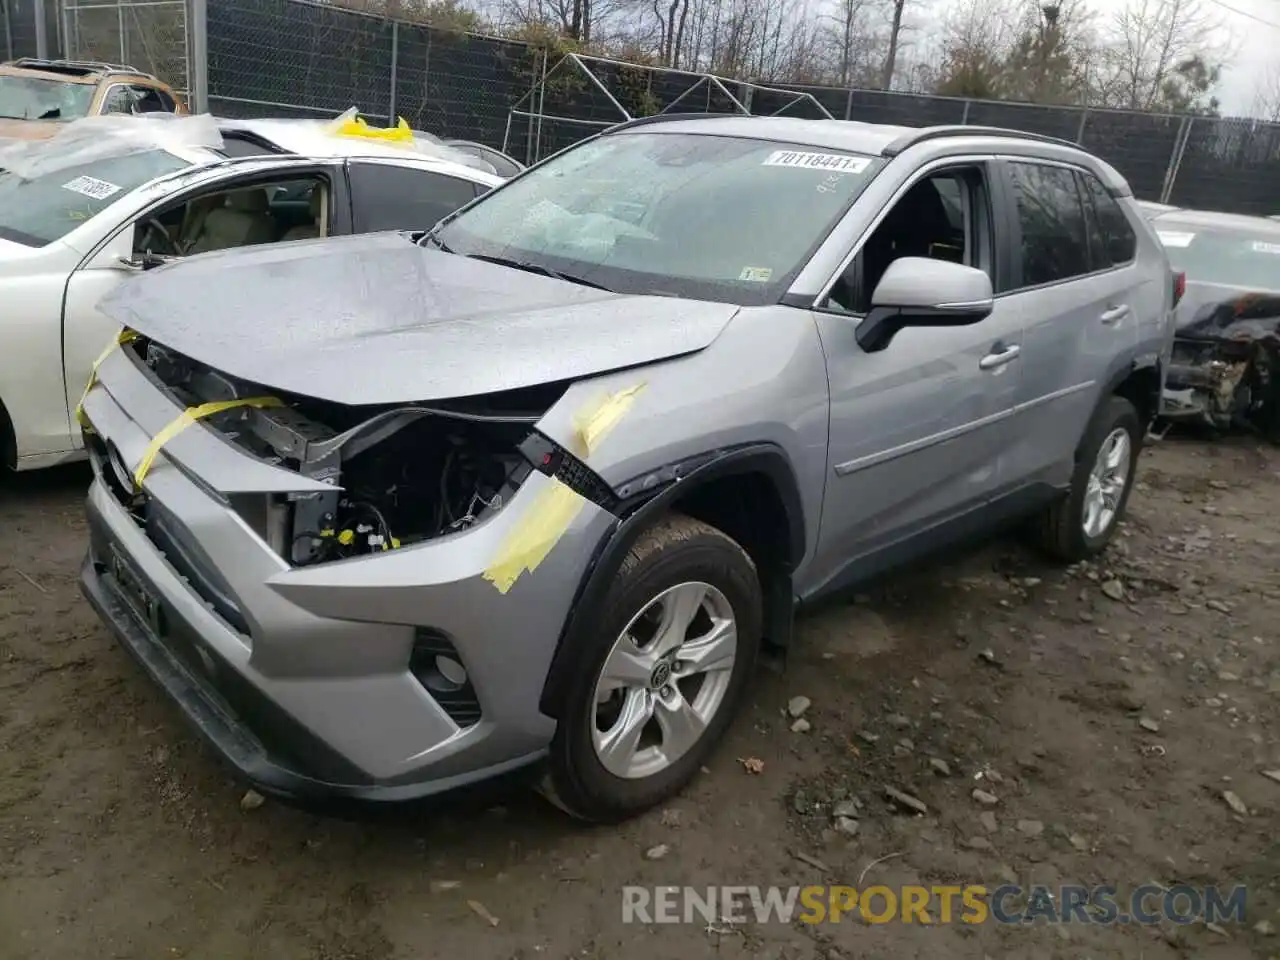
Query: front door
{"points": [[919, 429], [231, 212]]}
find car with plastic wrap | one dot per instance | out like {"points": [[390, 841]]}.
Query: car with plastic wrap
{"points": [[388, 517], [1225, 368], [109, 197]]}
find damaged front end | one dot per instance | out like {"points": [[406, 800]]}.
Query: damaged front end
{"points": [[380, 477], [1224, 369]]}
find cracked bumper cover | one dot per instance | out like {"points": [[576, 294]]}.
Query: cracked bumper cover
{"points": [[306, 690]]}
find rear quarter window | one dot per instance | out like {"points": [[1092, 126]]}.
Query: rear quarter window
{"points": [[1117, 243]]}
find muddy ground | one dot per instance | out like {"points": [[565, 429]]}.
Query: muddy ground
{"points": [[1107, 728]]}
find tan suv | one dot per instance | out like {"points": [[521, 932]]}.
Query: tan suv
{"points": [[37, 95]]}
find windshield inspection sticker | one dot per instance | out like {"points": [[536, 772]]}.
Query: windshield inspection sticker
{"points": [[816, 161], [1261, 246], [91, 187], [756, 274], [1175, 239]]}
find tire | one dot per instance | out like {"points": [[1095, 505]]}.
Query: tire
{"points": [[668, 560], [1060, 531]]}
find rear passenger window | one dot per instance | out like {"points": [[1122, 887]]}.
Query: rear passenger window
{"points": [[1055, 242], [1118, 242], [386, 197]]}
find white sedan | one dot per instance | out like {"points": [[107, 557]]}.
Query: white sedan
{"points": [[102, 202]]}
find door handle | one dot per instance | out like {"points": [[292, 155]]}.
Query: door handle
{"points": [[997, 359], [1114, 314]]}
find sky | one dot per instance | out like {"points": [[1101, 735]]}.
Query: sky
{"points": [[1252, 29], [1255, 28]]}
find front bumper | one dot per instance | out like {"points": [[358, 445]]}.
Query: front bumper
{"points": [[301, 678], [298, 766]]}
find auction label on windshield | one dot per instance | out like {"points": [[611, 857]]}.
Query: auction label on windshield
{"points": [[816, 161], [91, 187]]}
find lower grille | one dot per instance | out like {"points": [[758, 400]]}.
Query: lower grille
{"points": [[436, 665]]}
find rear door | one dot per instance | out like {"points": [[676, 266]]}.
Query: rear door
{"points": [[389, 196], [1077, 293]]}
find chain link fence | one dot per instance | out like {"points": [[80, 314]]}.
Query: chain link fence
{"points": [[150, 35], [20, 29], [304, 58]]}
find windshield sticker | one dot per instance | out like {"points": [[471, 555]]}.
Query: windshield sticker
{"points": [[91, 187], [831, 183], [816, 161], [1175, 239], [1261, 246], [756, 274]]}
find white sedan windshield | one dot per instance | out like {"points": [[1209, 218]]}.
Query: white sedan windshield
{"points": [[44, 208], [693, 215]]}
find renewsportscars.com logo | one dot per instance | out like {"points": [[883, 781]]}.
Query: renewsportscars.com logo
{"points": [[970, 904]]}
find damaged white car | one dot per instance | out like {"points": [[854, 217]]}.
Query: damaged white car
{"points": [[111, 196]]}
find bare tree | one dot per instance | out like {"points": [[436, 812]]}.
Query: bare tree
{"points": [[895, 37], [1154, 44], [1266, 95]]}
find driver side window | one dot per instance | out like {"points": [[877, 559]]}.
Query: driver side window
{"points": [[243, 215], [944, 216]]}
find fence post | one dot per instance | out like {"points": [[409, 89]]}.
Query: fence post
{"points": [[964, 120], [542, 104], [42, 31], [1175, 158], [848, 104], [395, 59], [198, 54], [1084, 117], [8, 30]]}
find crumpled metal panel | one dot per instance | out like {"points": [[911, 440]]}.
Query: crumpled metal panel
{"points": [[376, 319]]}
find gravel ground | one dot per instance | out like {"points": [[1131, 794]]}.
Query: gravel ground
{"points": [[1108, 709]]}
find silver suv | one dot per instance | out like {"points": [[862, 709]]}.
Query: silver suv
{"points": [[388, 515]]}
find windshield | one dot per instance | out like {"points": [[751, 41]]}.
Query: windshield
{"points": [[1231, 259], [691, 215], [38, 211], [35, 98]]}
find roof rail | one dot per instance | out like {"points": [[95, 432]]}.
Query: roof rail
{"points": [[36, 63], [957, 130]]}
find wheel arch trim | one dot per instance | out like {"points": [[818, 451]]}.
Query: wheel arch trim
{"points": [[768, 459]]}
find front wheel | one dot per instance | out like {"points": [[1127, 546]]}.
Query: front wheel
{"points": [[677, 641], [1081, 524]]}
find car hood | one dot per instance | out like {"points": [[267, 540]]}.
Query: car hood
{"points": [[377, 319], [1217, 311], [27, 129]]}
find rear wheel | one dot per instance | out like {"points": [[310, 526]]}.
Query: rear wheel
{"points": [[678, 638], [1081, 524]]}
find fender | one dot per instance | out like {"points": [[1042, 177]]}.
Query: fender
{"points": [[568, 662], [1138, 364]]}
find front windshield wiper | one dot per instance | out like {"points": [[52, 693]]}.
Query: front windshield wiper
{"points": [[538, 268], [432, 236]]}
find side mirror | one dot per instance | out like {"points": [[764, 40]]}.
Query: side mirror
{"points": [[918, 292]]}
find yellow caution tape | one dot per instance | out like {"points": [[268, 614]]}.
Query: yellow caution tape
{"points": [[184, 420], [119, 340], [556, 507], [532, 538], [357, 127], [594, 422]]}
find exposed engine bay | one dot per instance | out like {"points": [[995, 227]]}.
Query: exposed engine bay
{"points": [[399, 474], [1224, 372]]}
